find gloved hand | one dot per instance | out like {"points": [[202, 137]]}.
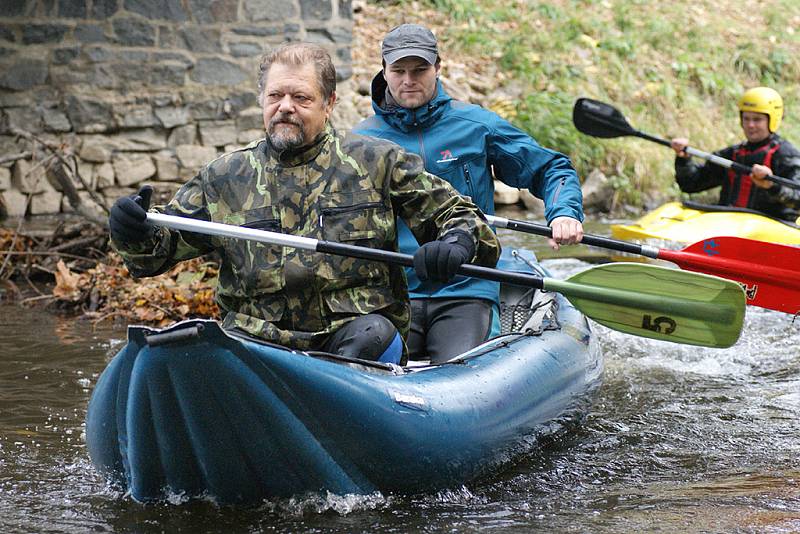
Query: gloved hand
{"points": [[128, 218], [439, 260]]}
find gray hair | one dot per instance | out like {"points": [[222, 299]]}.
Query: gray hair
{"points": [[299, 54]]}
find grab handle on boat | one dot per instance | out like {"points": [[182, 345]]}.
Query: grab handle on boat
{"points": [[173, 336]]}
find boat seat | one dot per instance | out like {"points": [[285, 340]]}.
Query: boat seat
{"points": [[526, 310]]}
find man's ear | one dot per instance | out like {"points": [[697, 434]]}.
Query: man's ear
{"points": [[329, 104]]}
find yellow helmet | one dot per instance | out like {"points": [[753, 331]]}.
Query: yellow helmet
{"points": [[764, 100]]}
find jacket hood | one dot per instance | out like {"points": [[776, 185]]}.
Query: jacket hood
{"points": [[407, 119]]}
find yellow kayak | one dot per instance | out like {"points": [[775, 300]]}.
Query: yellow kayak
{"points": [[689, 222]]}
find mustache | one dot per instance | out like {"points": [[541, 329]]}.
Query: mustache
{"points": [[284, 118]]}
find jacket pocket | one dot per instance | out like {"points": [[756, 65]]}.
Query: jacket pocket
{"points": [[356, 301], [466, 177], [359, 218], [251, 268]]}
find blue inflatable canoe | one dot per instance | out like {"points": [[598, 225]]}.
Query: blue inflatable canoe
{"points": [[193, 410]]}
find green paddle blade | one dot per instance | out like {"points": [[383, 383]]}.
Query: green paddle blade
{"points": [[658, 302]]}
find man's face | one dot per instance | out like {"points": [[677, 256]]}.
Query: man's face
{"points": [[755, 126], [294, 109], [412, 81]]}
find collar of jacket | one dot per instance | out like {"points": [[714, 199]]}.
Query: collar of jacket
{"points": [[406, 119], [294, 157], [773, 138]]}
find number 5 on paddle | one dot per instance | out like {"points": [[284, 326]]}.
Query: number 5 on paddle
{"points": [[658, 302]]}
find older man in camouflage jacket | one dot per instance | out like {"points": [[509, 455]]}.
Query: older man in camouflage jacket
{"points": [[307, 179]]}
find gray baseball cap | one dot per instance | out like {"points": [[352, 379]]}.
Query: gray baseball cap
{"points": [[409, 40]]}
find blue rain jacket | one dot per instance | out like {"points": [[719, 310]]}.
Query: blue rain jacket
{"points": [[463, 143]]}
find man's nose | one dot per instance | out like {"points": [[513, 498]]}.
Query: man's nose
{"points": [[286, 104]]}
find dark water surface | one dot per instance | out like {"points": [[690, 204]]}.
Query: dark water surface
{"points": [[680, 439]]}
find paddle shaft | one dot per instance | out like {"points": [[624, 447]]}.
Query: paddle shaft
{"points": [[593, 240], [721, 266], [330, 247], [712, 264], [717, 160]]}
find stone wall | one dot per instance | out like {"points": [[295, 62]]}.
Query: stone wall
{"points": [[138, 90]]}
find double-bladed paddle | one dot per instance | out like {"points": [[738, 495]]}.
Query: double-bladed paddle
{"points": [[599, 119], [768, 272], [643, 300]]}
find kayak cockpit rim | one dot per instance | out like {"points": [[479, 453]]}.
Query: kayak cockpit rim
{"points": [[523, 312], [716, 208], [191, 328]]}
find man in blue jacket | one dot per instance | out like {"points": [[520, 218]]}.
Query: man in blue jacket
{"points": [[466, 145]]}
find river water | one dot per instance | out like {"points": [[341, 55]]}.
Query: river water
{"points": [[680, 439]]}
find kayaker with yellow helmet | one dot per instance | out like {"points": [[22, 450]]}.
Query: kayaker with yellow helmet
{"points": [[760, 113]]}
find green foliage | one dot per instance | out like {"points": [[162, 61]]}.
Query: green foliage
{"points": [[549, 10], [548, 117], [624, 189], [672, 68], [461, 10], [621, 47]]}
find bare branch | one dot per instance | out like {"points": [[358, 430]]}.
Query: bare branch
{"points": [[60, 151], [15, 157], [28, 253], [55, 172]]}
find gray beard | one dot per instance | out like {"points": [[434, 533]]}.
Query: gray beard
{"points": [[285, 141]]}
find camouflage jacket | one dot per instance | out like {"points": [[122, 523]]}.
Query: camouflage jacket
{"points": [[345, 187]]}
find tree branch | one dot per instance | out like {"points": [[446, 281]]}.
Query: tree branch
{"points": [[15, 157], [55, 172]]}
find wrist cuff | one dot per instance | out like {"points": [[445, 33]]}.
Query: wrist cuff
{"points": [[462, 238]]}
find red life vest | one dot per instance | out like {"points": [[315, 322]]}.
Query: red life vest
{"points": [[740, 196]]}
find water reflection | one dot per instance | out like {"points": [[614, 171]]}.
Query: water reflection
{"points": [[680, 438]]}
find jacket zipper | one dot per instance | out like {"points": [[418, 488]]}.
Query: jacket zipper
{"points": [[273, 225], [422, 149], [344, 209], [558, 190], [468, 178]]}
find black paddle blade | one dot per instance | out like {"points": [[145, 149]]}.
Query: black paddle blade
{"points": [[599, 119]]}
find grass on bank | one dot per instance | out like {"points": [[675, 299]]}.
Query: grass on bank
{"points": [[672, 68]]}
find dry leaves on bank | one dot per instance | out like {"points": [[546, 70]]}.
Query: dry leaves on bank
{"points": [[108, 291], [72, 270]]}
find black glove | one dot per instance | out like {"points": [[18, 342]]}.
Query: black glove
{"points": [[439, 260], [128, 218]]}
